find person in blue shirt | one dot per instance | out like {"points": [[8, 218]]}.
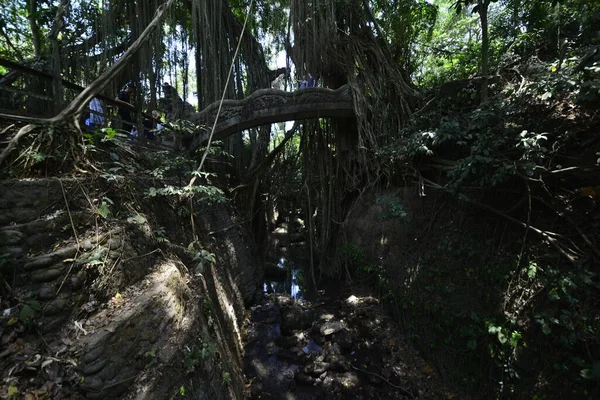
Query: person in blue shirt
{"points": [[303, 83], [312, 81], [125, 106]]}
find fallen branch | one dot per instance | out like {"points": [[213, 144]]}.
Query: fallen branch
{"points": [[61, 254]]}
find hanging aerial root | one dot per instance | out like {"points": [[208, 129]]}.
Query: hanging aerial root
{"points": [[13, 142], [551, 238]]}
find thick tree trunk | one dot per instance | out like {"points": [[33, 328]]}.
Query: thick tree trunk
{"points": [[485, 48], [57, 87], [35, 29], [198, 60]]}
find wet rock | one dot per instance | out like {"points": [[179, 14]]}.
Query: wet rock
{"points": [[295, 318], [46, 275], [271, 348], [291, 357], [287, 342], [267, 314], [338, 363], [38, 263], [329, 328], [311, 347], [94, 367], [349, 380], [47, 293], [10, 237], [283, 300], [87, 244], [55, 307], [344, 339], [333, 348], [316, 368], [303, 379], [331, 385]]}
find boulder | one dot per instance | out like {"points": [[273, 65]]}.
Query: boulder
{"points": [[331, 327], [11, 237]]}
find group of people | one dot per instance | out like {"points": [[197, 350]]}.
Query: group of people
{"points": [[311, 82], [152, 124]]}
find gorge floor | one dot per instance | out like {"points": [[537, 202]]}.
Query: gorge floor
{"points": [[340, 345]]}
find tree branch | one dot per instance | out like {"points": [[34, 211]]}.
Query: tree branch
{"points": [[79, 103], [550, 237]]}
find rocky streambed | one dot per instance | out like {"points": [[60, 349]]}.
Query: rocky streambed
{"points": [[340, 346]]}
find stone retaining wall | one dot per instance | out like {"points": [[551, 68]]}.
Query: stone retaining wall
{"points": [[131, 312]]}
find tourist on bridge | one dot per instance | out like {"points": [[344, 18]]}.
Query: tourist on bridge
{"points": [[125, 106], [312, 81], [303, 83], [96, 118]]}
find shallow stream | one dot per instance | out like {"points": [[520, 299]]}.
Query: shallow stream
{"points": [[333, 343]]}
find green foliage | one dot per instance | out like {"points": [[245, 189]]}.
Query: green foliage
{"points": [[151, 353], [183, 169], [392, 208], [402, 22], [203, 259], [225, 378], [137, 219], [194, 353], [168, 167], [372, 273], [104, 210], [100, 135], [29, 311], [161, 235], [206, 194], [182, 127]]}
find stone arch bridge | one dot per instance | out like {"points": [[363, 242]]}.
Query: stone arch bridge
{"points": [[267, 106]]}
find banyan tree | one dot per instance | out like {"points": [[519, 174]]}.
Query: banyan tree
{"points": [[215, 49]]}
